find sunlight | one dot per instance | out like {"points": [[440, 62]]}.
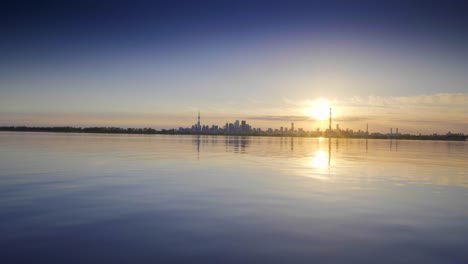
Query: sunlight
{"points": [[319, 160], [320, 110], [317, 166]]}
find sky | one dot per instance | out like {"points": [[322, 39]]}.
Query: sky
{"points": [[157, 63]]}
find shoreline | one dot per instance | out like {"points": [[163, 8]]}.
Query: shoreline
{"points": [[149, 131]]}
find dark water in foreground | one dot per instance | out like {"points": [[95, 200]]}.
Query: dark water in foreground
{"points": [[82, 198]]}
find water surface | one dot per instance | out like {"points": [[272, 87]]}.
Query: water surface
{"points": [[84, 198]]}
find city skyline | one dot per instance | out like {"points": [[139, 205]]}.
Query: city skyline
{"points": [[153, 64], [306, 122], [242, 127], [234, 131]]}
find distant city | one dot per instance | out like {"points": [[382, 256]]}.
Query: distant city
{"points": [[242, 128]]}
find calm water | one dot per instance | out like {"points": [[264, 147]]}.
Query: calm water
{"points": [[82, 198]]}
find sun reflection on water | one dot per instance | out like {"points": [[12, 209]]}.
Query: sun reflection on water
{"points": [[318, 165], [319, 160]]}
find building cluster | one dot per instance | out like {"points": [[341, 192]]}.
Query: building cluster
{"points": [[230, 128], [243, 128], [238, 127]]}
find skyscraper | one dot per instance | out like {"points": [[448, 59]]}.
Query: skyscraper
{"points": [[198, 123], [236, 126]]}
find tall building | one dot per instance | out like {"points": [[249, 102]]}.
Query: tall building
{"points": [[236, 126], [330, 124], [198, 123], [292, 127]]}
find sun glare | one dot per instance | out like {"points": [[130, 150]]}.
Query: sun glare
{"points": [[319, 159], [320, 110]]}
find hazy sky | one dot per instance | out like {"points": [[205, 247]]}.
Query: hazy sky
{"points": [[155, 64]]}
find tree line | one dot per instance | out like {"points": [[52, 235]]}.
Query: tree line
{"points": [[119, 130]]}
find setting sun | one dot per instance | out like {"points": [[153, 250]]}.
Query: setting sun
{"points": [[320, 110]]}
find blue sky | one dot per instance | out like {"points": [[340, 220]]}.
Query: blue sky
{"points": [[135, 63]]}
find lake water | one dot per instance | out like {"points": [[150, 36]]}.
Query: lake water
{"points": [[84, 198]]}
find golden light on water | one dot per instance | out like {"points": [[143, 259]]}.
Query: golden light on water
{"points": [[319, 159], [320, 110], [317, 166]]}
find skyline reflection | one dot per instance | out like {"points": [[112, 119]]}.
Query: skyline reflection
{"points": [[307, 156], [163, 198]]}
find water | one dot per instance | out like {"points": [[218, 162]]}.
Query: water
{"points": [[83, 198]]}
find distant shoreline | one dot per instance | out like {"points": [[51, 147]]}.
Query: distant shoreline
{"points": [[151, 131]]}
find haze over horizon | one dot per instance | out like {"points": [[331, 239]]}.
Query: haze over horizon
{"points": [[157, 63]]}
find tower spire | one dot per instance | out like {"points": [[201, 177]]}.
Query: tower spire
{"points": [[198, 123]]}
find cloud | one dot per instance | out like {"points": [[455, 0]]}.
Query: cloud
{"points": [[440, 101], [299, 118], [353, 119], [432, 100], [282, 118]]}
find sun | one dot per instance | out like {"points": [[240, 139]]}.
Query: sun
{"points": [[320, 110]]}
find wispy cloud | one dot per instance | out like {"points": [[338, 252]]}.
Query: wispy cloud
{"points": [[300, 118], [434, 100], [281, 118], [430, 100], [353, 119]]}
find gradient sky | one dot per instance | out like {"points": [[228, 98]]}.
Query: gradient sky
{"points": [[155, 64]]}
